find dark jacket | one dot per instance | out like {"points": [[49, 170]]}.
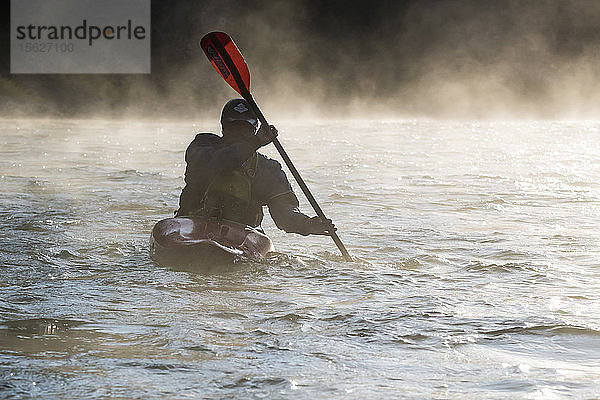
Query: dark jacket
{"points": [[208, 157]]}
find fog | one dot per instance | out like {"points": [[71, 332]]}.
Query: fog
{"points": [[340, 59]]}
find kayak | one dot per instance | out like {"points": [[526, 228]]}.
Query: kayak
{"points": [[200, 241], [205, 242]]}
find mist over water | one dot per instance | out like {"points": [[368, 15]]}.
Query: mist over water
{"points": [[450, 59]]}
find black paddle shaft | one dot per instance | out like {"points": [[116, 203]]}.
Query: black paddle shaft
{"points": [[246, 95]]}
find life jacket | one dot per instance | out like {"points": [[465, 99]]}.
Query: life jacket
{"points": [[229, 197]]}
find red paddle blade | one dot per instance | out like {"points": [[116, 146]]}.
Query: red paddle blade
{"points": [[210, 44]]}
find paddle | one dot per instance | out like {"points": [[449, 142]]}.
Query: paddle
{"points": [[229, 63]]}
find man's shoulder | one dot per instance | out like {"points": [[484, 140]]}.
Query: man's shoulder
{"points": [[206, 139], [268, 163]]}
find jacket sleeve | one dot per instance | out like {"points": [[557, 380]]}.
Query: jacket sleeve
{"points": [[284, 211]]}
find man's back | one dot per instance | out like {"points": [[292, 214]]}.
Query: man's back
{"points": [[209, 158]]}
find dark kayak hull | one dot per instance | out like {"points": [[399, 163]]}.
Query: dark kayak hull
{"points": [[205, 242]]}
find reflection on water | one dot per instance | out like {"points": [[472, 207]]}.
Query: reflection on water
{"points": [[475, 272]]}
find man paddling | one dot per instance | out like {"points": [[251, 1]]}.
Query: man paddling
{"points": [[227, 179]]}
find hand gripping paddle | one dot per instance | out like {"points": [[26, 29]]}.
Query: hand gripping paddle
{"points": [[229, 63]]}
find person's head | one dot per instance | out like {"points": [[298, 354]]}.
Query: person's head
{"points": [[238, 121]]}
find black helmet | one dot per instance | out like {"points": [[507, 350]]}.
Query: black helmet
{"points": [[238, 110]]}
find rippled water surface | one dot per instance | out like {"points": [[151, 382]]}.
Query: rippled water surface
{"points": [[477, 271]]}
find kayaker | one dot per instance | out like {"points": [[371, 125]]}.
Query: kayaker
{"points": [[227, 179]]}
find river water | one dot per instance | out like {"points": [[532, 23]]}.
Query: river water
{"points": [[476, 272]]}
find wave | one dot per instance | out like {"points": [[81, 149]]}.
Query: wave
{"points": [[41, 326], [505, 267], [545, 330]]}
